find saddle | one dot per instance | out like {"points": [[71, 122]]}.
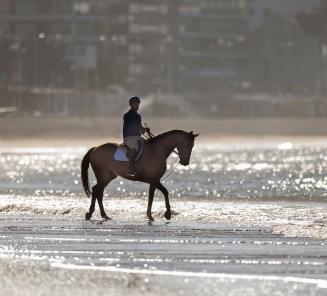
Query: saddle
{"points": [[121, 153]]}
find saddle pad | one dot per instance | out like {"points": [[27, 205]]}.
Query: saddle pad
{"points": [[120, 154]]}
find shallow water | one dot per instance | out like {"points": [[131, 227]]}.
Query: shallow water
{"points": [[247, 220], [280, 171], [266, 185]]}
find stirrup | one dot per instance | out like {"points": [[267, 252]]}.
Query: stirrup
{"points": [[131, 173]]}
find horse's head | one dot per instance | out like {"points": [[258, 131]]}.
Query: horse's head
{"points": [[185, 146]]}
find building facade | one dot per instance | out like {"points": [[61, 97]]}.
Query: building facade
{"points": [[207, 33], [151, 27], [63, 43], [282, 58], [147, 46], [143, 45], [177, 46]]}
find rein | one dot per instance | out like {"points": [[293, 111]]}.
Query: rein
{"points": [[175, 164], [174, 168], [151, 135]]}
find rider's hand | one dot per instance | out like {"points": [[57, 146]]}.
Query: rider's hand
{"points": [[147, 129], [143, 130]]}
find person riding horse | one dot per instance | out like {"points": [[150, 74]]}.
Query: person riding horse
{"points": [[150, 167], [132, 131]]}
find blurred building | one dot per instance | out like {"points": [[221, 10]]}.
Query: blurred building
{"points": [[147, 46], [282, 57], [180, 46], [285, 8], [207, 33], [63, 43], [58, 55], [152, 53]]}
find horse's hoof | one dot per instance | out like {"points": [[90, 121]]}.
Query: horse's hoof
{"points": [[88, 216], [168, 215], [150, 218], [105, 217]]}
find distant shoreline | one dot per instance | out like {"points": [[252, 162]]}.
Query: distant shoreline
{"points": [[54, 130]]}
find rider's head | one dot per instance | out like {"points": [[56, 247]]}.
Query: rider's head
{"points": [[134, 103]]}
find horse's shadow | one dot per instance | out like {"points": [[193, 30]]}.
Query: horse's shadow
{"points": [[98, 222], [103, 221]]}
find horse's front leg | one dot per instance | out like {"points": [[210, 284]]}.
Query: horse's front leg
{"points": [[166, 195], [150, 201]]}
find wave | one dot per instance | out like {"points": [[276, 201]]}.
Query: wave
{"points": [[288, 218], [14, 208], [119, 213]]}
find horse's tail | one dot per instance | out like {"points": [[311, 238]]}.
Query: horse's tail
{"points": [[84, 174]]}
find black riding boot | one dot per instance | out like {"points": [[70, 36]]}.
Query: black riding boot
{"points": [[131, 169]]}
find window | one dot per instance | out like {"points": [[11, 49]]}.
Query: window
{"points": [[135, 48], [163, 9], [63, 7], [135, 69], [61, 28], [45, 6], [44, 27], [4, 7], [24, 29], [135, 29], [81, 8], [83, 28], [134, 8], [26, 7]]}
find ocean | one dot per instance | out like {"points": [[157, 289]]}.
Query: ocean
{"points": [[247, 218]]}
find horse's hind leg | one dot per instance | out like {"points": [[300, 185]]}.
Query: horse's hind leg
{"points": [[166, 195], [88, 215], [99, 194]]}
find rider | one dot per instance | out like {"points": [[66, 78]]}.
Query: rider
{"points": [[132, 131]]}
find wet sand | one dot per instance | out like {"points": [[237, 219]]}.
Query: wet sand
{"points": [[51, 255], [30, 277]]}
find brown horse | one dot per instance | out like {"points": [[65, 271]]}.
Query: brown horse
{"points": [[150, 167]]}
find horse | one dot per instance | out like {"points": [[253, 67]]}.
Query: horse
{"points": [[149, 168]]}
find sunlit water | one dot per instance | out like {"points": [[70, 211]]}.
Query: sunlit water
{"points": [[232, 208], [216, 172], [275, 185]]}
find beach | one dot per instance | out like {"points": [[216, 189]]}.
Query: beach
{"points": [[248, 217], [55, 255]]}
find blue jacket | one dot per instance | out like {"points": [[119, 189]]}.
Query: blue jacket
{"points": [[132, 124]]}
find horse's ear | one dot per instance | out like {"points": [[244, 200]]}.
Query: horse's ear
{"points": [[194, 135]]}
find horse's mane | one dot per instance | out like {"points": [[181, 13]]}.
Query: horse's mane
{"points": [[163, 135]]}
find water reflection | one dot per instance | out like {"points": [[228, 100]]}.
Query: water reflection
{"points": [[284, 171]]}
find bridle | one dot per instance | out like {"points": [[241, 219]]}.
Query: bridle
{"points": [[150, 135]]}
